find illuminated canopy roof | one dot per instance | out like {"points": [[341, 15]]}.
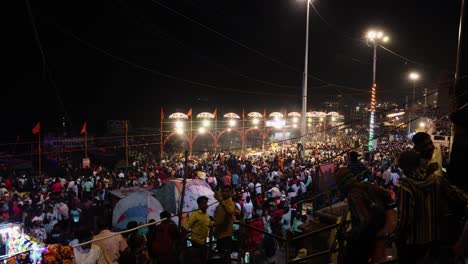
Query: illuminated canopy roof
{"points": [[276, 114], [254, 115], [232, 116], [294, 114], [205, 115], [178, 115]]}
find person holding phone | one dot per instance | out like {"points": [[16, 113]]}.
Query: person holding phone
{"points": [[224, 218]]}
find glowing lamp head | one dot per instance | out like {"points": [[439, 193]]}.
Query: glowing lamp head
{"points": [[295, 126], [385, 39], [295, 119], [201, 130], [422, 124], [371, 35], [179, 131], [229, 130], [232, 122], [414, 76], [206, 123], [255, 121], [333, 118], [310, 120], [321, 119], [179, 124]]}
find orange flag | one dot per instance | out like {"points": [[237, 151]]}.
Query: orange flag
{"points": [[264, 113], [37, 128], [162, 113], [215, 112], [189, 113], [83, 129]]}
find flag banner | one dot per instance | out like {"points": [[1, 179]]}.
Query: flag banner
{"points": [[189, 113], [37, 128], [84, 129], [215, 112]]}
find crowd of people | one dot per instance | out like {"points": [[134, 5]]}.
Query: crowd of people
{"points": [[398, 177]]}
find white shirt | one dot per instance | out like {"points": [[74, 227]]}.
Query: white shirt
{"points": [[286, 220], [91, 255], [395, 177], [248, 210], [303, 188], [258, 188]]}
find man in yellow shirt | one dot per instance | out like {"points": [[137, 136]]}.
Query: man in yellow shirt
{"points": [[224, 218], [199, 222]]}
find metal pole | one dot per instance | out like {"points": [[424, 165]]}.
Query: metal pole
{"points": [[412, 100], [373, 101], [304, 86], [126, 143], [184, 183], [425, 97], [408, 113], [40, 156]]}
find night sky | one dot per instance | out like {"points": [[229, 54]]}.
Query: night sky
{"points": [[124, 59]]}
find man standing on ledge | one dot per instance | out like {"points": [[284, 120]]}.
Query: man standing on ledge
{"points": [[224, 218]]}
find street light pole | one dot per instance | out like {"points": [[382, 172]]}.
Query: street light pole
{"points": [[372, 108], [413, 76], [304, 85], [374, 38]]}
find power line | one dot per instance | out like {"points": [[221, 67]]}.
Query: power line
{"points": [[169, 76], [227, 37]]}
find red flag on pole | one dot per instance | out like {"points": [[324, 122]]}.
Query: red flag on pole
{"points": [[37, 128], [264, 113], [84, 129], [162, 113], [215, 112], [189, 113]]}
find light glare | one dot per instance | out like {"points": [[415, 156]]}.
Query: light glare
{"points": [[179, 124], [232, 122], [371, 34], [414, 76]]}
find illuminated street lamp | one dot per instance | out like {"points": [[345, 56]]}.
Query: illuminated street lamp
{"points": [[232, 122], [179, 124], [255, 121], [413, 76], [206, 123], [179, 130], [373, 39], [201, 130]]}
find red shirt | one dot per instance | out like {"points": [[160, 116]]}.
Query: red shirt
{"points": [[226, 180], [57, 187]]}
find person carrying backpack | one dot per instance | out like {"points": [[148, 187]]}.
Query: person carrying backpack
{"points": [[371, 211], [165, 241]]}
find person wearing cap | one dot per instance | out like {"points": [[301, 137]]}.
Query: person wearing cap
{"points": [[357, 167], [424, 199], [199, 223], [368, 205]]}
